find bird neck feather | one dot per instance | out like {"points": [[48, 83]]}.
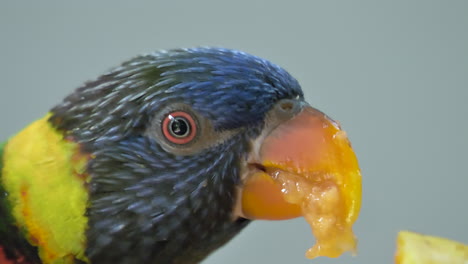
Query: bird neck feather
{"points": [[43, 175]]}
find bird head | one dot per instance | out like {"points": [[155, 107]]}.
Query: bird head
{"points": [[184, 145]]}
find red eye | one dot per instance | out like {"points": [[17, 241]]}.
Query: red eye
{"points": [[179, 127]]}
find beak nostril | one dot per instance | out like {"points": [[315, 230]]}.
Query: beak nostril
{"points": [[287, 106]]}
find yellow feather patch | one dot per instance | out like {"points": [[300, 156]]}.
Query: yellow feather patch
{"points": [[45, 177]]}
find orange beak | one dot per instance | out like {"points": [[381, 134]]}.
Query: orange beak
{"points": [[307, 168]]}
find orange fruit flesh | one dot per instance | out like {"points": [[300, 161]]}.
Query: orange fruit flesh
{"points": [[324, 208]]}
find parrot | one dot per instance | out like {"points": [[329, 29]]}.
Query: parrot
{"points": [[153, 161]]}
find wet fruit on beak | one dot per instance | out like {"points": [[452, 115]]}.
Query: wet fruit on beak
{"points": [[308, 168]]}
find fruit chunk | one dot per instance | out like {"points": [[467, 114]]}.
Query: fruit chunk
{"points": [[324, 208], [414, 248]]}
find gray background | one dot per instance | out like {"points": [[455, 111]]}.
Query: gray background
{"points": [[395, 74]]}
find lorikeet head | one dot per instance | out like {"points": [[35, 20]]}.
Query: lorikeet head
{"points": [[174, 139], [171, 134]]}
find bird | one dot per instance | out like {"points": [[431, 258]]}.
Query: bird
{"points": [[152, 162]]}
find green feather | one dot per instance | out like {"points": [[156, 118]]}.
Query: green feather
{"points": [[2, 146], [4, 205]]}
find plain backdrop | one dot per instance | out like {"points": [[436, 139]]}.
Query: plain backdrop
{"points": [[395, 73]]}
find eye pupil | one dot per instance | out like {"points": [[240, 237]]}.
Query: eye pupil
{"points": [[179, 127]]}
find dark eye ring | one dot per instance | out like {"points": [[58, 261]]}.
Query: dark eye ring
{"points": [[179, 127]]}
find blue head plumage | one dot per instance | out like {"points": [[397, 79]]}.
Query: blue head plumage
{"points": [[169, 200]]}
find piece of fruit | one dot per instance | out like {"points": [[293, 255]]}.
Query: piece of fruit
{"points": [[414, 248]]}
